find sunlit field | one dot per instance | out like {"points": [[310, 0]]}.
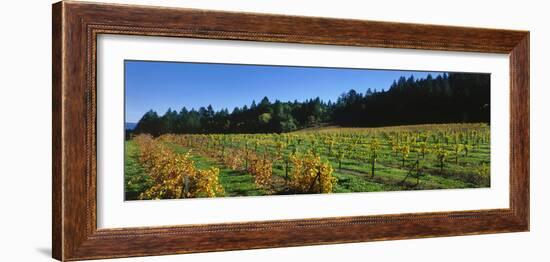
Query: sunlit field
{"points": [[326, 159]]}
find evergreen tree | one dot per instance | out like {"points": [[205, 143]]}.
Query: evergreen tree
{"points": [[447, 98]]}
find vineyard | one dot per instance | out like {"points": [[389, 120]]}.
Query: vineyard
{"points": [[309, 161]]}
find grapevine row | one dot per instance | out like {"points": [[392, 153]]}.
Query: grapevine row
{"points": [[175, 175]]}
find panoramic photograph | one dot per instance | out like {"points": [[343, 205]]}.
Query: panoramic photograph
{"points": [[197, 130]]}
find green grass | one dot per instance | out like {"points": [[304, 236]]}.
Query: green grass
{"points": [[135, 178], [235, 183], [354, 174]]}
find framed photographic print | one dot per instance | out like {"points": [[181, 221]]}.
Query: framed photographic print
{"points": [[182, 130]]}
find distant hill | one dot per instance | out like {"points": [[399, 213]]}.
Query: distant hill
{"points": [[130, 126]]}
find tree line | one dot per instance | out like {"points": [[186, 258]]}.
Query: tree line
{"points": [[446, 98]]}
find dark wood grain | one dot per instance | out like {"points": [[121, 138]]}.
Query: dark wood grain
{"points": [[57, 195], [76, 26], [519, 129]]}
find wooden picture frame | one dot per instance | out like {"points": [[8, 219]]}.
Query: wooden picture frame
{"points": [[76, 26]]}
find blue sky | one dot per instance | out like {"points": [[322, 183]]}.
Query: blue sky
{"points": [[163, 85]]}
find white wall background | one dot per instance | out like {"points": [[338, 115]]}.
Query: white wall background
{"points": [[25, 131]]}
